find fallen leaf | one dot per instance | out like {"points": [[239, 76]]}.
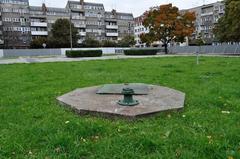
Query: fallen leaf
{"points": [[167, 134], [226, 112], [58, 149]]}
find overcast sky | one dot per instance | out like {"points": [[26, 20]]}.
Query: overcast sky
{"points": [[137, 7]]}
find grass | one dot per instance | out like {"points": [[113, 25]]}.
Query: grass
{"points": [[33, 125]]}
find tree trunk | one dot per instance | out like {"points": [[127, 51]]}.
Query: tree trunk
{"points": [[166, 48]]}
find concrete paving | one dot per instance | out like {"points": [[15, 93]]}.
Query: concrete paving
{"points": [[87, 101], [27, 60]]}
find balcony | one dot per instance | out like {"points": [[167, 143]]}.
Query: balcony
{"points": [[206, 14], [39, 24], [80, 41], [1, 42], [112, 34], [111, 19], [79, 9], [111, 27], [78, 17], [42, 15], [39, 33], [82, 33], [221, 12], [80, 25]]}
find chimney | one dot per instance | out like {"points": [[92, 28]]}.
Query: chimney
{"points": [[114, 12], [44, 8], [82, 2]]}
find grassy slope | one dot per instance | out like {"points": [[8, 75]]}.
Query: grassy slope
{"points": [[32, 125]]}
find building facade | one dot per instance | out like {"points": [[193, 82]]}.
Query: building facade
{"points": [[138, 30], [206, 17], [15, 24], [21, 23]]}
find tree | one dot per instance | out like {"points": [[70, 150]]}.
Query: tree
{"points": [[127, 41], [60, 34], [147, 38], [89, 42], [167, 24], [109, 43], [199, 40], [38, 43], [227, 29]]}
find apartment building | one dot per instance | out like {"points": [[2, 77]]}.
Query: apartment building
{"points": [[138, 30], [15, 24], [118, 25], [21, 23], [206, 17], [88, 18], [125, 22], [42, 18]]}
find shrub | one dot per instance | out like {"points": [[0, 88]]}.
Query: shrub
{"points": [[38, 43], [57, 43], [108, 43], [83, 53], [127, 41], [90, 43], [141, 52]]}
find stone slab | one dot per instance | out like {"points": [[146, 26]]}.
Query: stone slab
{"points": [[159, 99], [139, 88]]}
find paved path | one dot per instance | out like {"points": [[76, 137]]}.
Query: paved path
{"points": [[26, 60]]}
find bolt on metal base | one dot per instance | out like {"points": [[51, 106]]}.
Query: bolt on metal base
{"points": [[128, 98]]}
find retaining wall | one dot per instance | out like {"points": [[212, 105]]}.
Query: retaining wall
{"points": [[31, 52], [215, 49], [53, 52], [1, 53], [218, 49]]}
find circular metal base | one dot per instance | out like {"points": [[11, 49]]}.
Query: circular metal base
{"points": [[122, 103]]}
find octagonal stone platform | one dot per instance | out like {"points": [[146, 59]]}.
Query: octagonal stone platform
{"points": [[158, 99]]}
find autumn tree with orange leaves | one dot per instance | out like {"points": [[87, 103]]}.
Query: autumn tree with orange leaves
{"points": [[167, 24]]}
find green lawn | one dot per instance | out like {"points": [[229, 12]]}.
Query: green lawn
{"points": [[33, 125]]}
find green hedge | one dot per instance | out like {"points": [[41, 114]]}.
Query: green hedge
{"points": [[141, 52], [83, 53]]}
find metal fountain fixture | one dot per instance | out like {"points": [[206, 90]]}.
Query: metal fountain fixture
{"points": [[128, 100], [118, 100]]}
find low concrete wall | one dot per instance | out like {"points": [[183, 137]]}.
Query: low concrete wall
{"points": [[54, 52], [216, 49], [1, 53], [31, 52]]}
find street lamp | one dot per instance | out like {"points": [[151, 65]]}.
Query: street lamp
{"points": [[165, 42], [71, 41]]}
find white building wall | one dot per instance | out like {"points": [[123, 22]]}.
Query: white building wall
{"points": [[1, 53], [138, 30]]}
